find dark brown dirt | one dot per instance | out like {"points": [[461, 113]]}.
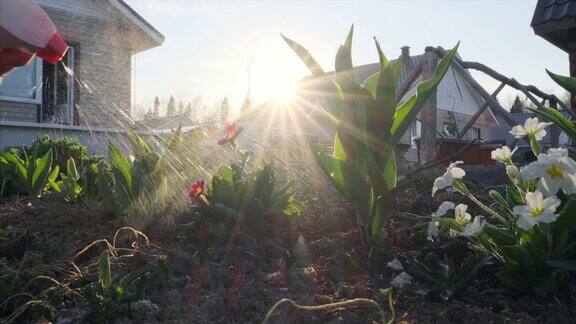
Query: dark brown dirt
{"points": [[234, 273]]}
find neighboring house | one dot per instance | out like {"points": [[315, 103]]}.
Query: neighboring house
{"points": [[92, 89], [457, 103], [501, 134], [555, 21], [166, 123]]}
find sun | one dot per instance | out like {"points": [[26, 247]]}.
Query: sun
{"points": [[284, 93]]}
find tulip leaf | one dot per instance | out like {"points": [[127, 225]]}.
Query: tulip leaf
{"points": [[565, 82], [121, 167], [305, 56], [41, 172]]}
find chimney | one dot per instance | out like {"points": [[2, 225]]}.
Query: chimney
{"points": [[406, 55]]}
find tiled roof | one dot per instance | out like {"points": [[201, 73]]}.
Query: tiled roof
{"points": [[552, 10], [363, 72], [502, 131]]}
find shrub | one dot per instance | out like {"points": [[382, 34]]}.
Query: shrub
{"points": [[62, 149]]}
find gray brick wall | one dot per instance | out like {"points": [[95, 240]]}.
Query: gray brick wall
{"points": [[103, 66]]}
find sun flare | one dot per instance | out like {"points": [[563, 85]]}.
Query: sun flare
{"points": [[284, 93]]}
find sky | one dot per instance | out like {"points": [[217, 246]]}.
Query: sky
{"points": [[211, 45]]}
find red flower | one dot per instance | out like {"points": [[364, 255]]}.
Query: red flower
{"points": [[232, 131], [196, 189]]}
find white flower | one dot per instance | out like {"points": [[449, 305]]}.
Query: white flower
{"points": [[474, 228], [395, 265], [401, 279], [453, 172], [131, 158], [512, 171], [460, 213], [531, 128], [555, 170], [537, 209], [503, 154], [443, 208], [433, 229]]}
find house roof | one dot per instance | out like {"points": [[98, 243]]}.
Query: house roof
{"points": [[502, 131], [555, 21], [553, 10], [165, 122], [139, 21]]}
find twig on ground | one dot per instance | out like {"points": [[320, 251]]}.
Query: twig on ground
{"points": [[342, 304]]}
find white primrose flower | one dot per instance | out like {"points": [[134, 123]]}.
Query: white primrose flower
{"points": [[131, 158], [503, 154], [555, 170], [460, 213], [395, 265], [401, 279], [531, 128], [537, 209], [443, 208], [453, 172], [474, 228]]}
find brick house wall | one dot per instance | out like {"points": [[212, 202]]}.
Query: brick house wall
{"points": [[104, 40], [102, 67]]}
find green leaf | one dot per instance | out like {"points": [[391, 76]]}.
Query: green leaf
{"points": [[348, 181], [41, 172], [104, 272], [407, 111], [52, 178], [71, 170], [138, 145], [343, 65], [227, 174], [176, 139], [121, 167], [17, 162], [567, 83], [305, 56]]}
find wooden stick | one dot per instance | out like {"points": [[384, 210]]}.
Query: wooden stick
{"points": [[480, 111]]}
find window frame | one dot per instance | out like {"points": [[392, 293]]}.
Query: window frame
{"points": [[38, 93], [445, 130]]}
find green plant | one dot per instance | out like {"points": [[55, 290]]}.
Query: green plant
{"points": [[132, 184], [63, 149], [532, 228], [369, 123], [237, 193], [69, 187], [445, 278], [110, 297], [33, 174]]}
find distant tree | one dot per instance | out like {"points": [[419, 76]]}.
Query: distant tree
{"points": [[196, 108], [248, 103], [224, 110], [171, 108], [149, 113], [517, 106], [180, 108], [156, 111], [188, 110]]}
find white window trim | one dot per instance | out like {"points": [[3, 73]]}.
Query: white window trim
{"points": [[38, 95]]}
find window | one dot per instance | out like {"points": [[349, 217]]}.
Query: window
{"points": [[23, 83], [59, 90], [415, 132], [450, 129], [474, 134]]}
